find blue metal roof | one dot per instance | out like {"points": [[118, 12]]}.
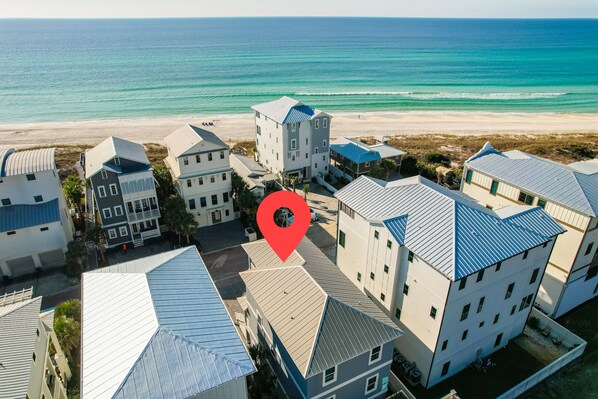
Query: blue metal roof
{"points": [[299, 113], [397, 227], [15, 217], [354, 152]]}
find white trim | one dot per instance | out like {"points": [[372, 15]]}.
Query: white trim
{"points": [[102, 190], [104, 174], [368, 372], [316, 123], [293, 147], [115, 189], [112, 234], [379, 394], [367, 381], [116, 208], [334, 376], [104, 213], [370, 361]]}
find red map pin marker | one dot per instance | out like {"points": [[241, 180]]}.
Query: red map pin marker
{"points": [[283, 240]]}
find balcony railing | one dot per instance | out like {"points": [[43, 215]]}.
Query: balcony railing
{"points": [[149, 214]]}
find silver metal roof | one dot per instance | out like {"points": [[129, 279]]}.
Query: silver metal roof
{"points": [[573, 186], [286, 110], [24, 162], [110, 148], [447, 229], [186, 137], [312, 306], [253, 173], [156, 327], [18, 323]]}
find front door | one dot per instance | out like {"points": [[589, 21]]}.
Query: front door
{"points": [[216, 217]]}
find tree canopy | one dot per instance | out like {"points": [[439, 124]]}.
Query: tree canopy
{"points": [[177, 218], [164, 185]]}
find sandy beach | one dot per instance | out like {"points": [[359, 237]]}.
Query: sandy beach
{"points": [[232, 128]]}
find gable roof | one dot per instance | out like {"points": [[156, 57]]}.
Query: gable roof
{"points": [[573, 186], [96, 157], [253, 173], [20, 216], [286, 110], [188, 136], [184, 341], [18, 323], [312, 306], [24, 162], [447, 229], [360, 152]]}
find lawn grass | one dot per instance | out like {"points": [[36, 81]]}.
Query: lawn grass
{"points": [[248, 146]]}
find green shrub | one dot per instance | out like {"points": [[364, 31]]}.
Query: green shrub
{"points": [[438, 158]]}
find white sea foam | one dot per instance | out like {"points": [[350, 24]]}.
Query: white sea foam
{"points": [[356, 93], [438, 95]]}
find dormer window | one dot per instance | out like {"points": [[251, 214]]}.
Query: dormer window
{"points": [[325, 123], [317, 123], [104, 174], [30, 177], [116, 160], [293, 127]]}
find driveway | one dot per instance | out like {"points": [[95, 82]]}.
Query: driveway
{"points": [[219, 236], [323, 232]]}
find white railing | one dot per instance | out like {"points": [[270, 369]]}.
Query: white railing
{"points": [[399, 387], [151, 214], [150, 233], [327, 186], [568, 339]]}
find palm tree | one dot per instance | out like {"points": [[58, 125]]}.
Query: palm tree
{"points": [[293, 180], [73, 193], [388, 166], [305, 191]]}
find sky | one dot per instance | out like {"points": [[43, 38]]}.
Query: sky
{"points": [[239, 8]]}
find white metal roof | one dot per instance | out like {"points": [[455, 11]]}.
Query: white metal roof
{"points": [[110, 148], [573, 186], [18, 323], [312, 307], [281, 110], [253, 173], [156, 327], [447, 229], [187, 137], [24, 162]]}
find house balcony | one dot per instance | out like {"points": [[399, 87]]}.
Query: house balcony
{"points": [[143, 215]]}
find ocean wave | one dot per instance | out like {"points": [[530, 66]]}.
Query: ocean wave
{"points": [[439, 95]]}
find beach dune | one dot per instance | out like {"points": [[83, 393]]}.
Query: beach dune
{"points": [[232, 128]]}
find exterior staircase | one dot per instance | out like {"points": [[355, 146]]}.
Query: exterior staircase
{"points": [[137, 240]]}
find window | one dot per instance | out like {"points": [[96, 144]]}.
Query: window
{"points": [[116, 160], [44, 229], [382, 297], [316, 150], [201, 181], [509, 290], [513, 309], [376, 234], [31, 177], [525, 254], [202, 202], [113, 189], [525, 198], [101, 191], [224, 176], [371, 384], [212, 179], [468, 176], [386, 269], [317, 123], [107, 213], [118, 210], [526, 302], [498, 339], [221, 154], [293, 144], [34, 356], [112, 233], [324, 158], [433, 312], [37, 332], [123, 231], [293, 127], [210, 156], [325, 123], [225, 197], [104, 174], [410, 256], [324, 143], [329, 376], [445, 369], [494, 187], [191, 204], [38, 198], [316, 166], [306, 155], [465, 311], [481, 324], [405, 289], [358, 276], [464, 335], [398, 313], [11, 233], [6, 201], [481, 304], [341, 238], [541, 203], [462, 283], [375, 354], [198, 158], [498, 265], [534, 275], [388, 244], [444, 344], [214, 199], [345, 209], [257, 114], [496, 317], [372, 276], [589, 248], [480, 275], [185, 161]]}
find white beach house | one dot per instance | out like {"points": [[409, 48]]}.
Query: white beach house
{"points": [[292, 137], [568, 193], [459, 279]]}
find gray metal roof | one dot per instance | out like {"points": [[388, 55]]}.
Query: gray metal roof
{"points": [[186, 137], [110, 148], [253, 173], [18, 323], [286, 110], [171, 336], [447, 229], [312, 306], [20, 216], [24, 162], [573, 186]]}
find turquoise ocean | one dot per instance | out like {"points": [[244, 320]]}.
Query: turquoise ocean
{"points": [[68, 70]]}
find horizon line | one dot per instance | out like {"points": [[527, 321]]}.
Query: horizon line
{"points": [[296, 17]]}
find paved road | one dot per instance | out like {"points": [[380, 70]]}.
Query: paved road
{"points": [[50, 301], [224, 267]]}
